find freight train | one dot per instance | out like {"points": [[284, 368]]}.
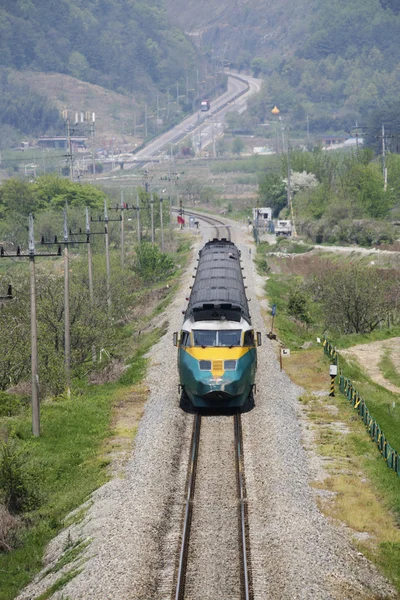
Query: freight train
{"points": [[217, 346]]}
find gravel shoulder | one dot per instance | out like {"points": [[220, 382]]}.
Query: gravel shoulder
{"points": [[133, 523]]}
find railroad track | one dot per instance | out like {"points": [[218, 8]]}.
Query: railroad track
{"points": [[216, 223], [245, 592]]}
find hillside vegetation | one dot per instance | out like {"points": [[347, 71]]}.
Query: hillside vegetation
{"points": [[121, 45], [336, 62], [113, 43]]}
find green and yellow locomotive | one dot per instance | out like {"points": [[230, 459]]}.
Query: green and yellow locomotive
{"points": [[217, 356]]}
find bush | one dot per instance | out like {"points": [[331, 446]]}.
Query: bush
{"points": [[150, 264], [298, 306], [17, 490], [363, 232], [8, 528], [10, 404]]}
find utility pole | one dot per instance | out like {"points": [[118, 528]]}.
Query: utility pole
{"points": [[67, 334], [384, 159], [152, 217], [67, 338], [289, 191], [69, 143], [122, 231], [34, 340], [90, 268], [93, 146], [33, 314], [162, 225], [138, 216], [108, 268]]}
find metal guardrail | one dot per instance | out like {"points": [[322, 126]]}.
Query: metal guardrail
{"points": [[375, 432]]}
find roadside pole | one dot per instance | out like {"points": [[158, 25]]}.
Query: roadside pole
{"points": [[90, 272], [162, 225], [138, 216], [122, 231], [108, 267], [152, 217], [34, 349], [67, 338], [31, 254]]}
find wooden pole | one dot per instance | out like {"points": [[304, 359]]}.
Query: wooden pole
{"points": [[90, 272], [122, 231], [161, 225], [34, 351], [152, 217], [108, 267], [138, 216], [67, 338]]}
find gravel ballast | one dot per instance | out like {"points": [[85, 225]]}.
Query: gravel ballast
{"points": [[133, 523]]}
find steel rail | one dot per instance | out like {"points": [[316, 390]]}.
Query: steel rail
{"points": [[242, 512], [207, 219], [180, 584]]}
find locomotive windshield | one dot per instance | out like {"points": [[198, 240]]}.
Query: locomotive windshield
{"points": [[203, 337]]}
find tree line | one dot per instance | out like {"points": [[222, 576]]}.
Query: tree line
{"points": [[347, 201]]}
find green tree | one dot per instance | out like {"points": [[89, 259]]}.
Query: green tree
{"points": [[78, 65], [364, 185], [272, 192], [238, 145], [259, 66]]}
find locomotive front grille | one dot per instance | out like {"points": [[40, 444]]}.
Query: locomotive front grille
{"points": [[218, 366]]}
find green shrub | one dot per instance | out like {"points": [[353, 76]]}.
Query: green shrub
{"points": [[17, 489], [150, 264], [298, 306]]}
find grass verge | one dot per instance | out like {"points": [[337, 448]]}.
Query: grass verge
{"points": [[69, 461], [365, 494], [388, 368]]}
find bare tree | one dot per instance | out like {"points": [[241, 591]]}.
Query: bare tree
{"points": [[355, 299]]}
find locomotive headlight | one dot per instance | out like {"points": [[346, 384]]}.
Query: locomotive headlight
{"points": [[205, 365], [230, 365]]}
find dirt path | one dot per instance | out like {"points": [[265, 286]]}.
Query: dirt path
{"points": [[369, 356]]}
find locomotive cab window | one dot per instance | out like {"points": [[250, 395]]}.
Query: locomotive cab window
{"points": [[220, 338], [185, 339], [248, 339]]}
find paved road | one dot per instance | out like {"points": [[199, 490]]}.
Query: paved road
{"points": [[201, 120]]}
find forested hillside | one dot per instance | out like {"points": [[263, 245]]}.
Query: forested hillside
{"points": [[113, 43], [337, 62], [123, 45]]}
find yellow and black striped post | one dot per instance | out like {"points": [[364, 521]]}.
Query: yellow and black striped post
{"points": [[333, 372]]}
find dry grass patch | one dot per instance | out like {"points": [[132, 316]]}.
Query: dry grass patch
{"points": [[338, 438], [127, 412], [308, 369], [359, 506]]}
